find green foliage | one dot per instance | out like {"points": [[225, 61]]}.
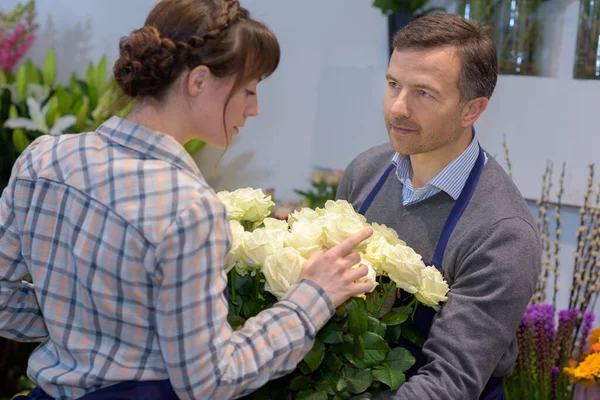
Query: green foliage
{"points": [[413, 7], [353, 355]]}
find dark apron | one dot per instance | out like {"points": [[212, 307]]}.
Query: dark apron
{"points": [[494, 389], [133, 390]]}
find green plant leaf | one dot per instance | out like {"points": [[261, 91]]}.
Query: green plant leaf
{"points": [[3, 79], [100, 74], [376, 349], [315, 356], [49, 71], [331, 333], [357, 317], [399, 359], [358, 380], [310, 395], [82, 115], [253, 307], [21, 82], [412, 335], [301, 383], [20, 140], [359, 347], [235, 321], [52, 111], [376, 326], [333, 362], [388, 376], [394, 318], [90, 75], [194, 146]]}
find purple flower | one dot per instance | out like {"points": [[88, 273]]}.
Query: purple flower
{"points": [[586, 327], [554, 371]]}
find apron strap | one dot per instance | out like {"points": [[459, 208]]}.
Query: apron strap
{"points": [[458, 209], [373, 193]]}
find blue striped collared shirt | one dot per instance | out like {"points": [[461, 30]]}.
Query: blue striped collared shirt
{"points": [[450, 180]]}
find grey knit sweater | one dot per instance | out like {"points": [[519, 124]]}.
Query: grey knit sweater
{"points": [[491, 263]]}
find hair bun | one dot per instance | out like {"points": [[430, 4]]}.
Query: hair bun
{"points": [[146, 62]]}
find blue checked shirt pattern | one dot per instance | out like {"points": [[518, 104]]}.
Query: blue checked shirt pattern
{"points": [[451, 179], [126, 243]]}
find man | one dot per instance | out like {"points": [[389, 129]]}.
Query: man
{"points": [[453, 204]]}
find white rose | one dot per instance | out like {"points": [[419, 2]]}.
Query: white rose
{"points": [[275, 224], [370, 277], [338, 227], [374, 252], [253, 203], [307, 237], [390, 235], [303, 214], [433, 287], [281, 270], [258, 245], [344, 208], [234, 212], [233, 256], [404, 266]]}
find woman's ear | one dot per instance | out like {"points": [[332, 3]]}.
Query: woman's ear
{"points": [[197, 80]]}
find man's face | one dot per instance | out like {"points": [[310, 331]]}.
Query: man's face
{"points": [[422, 105]]}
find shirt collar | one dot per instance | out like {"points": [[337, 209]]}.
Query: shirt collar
{"points": [[146, 141], [452, 178]]}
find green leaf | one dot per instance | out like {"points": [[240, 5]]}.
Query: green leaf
{"points": [[3, 78], [331, 333], [49, 71], [358, 380], [359, 347], [399, 359], [413, 336], [194, 146], [253, 307], [300, 383], [52, 112], [33, 74], [82, 116], [341, 385], [100, 74], [63, 100], [376, 326], [235, 321], [90, 75], [388, 376], [21, 82], [394, 318], [333, 362], [357, 317], [20, 140], [13, 112], [393, 333], [376, 349], [315, 356], [310, 395]]}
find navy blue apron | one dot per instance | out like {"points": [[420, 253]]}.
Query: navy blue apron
{"points": [[133, 390], [494, 389]]}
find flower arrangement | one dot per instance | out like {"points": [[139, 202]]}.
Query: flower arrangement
{"points": [[358, 351], [17, 29], [553, 362]]}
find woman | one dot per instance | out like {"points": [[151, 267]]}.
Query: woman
{"points": [[126, 243]]}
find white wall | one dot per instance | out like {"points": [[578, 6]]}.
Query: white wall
{"points": [[324, 103]]}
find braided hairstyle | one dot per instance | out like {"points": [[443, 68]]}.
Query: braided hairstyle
{"points": [[183, 34]]}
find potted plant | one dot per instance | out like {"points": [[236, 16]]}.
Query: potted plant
{"points": [[401, 12]]}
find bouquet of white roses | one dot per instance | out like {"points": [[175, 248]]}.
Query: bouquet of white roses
{"points": [[357, 352]]}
